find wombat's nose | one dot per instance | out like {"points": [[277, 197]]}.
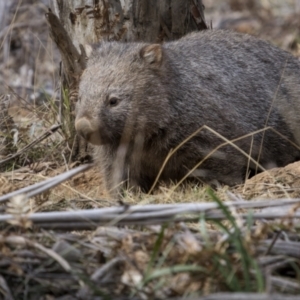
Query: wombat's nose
{"points": [[85, 129]]}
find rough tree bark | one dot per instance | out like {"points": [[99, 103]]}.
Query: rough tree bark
{"points": [[75, 23]]}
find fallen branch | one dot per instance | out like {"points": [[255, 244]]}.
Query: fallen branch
{"points": [[45, 185], [152, 214]]}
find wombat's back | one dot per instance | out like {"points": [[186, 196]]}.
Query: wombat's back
{"points": [[236, 73], [238, 84]]}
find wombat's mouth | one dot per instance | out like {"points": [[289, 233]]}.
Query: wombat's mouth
{"points": [[86, 130]]}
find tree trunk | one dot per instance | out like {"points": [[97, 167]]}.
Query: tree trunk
{"points": [[75, 23]]}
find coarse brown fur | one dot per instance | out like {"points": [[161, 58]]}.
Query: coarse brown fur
{"points": [[139, 101]]}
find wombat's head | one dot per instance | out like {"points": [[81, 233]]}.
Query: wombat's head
{"points": [[123, 91]]}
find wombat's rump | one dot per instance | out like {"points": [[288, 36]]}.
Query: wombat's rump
{"points": [[139, 101]]}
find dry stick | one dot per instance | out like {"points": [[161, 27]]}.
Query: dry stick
{"points": [[101, 272], [140, 215], [18, 240], [5, 290], [154, 218], [273, 243], [285, 284], [41, 187], [58, 180], [143, 221], [161, 209], [35, 142], [271, 268], [283, 248], [143, 211]]}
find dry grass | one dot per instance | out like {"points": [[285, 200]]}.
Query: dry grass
{"points": [[159, 261], [235, 256]]}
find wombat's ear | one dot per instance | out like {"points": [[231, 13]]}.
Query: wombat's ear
{"points": [[152, 54]]}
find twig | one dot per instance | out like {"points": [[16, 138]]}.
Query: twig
{"points": [[43, 186], [18, 240], [273, 242], [106, 267], [143, 215], [5, 291]]}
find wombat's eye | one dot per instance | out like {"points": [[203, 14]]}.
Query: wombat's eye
{"points": [[113, 101]]}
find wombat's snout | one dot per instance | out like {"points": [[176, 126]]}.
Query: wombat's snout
{"points": [[89, 132]]}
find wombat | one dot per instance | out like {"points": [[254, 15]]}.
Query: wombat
{"points": [[139, 101]]}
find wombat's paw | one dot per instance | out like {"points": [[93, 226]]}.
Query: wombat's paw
{"points": [[88, 131]]}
